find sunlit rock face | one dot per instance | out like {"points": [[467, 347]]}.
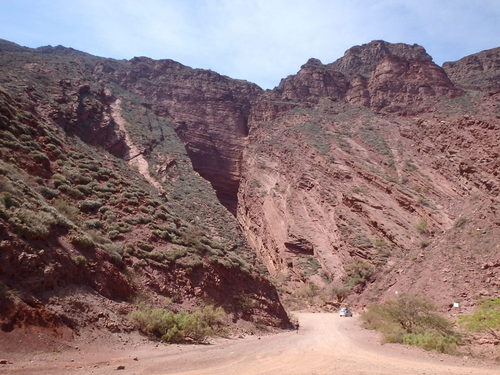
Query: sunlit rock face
{"points": [[357, 173]]}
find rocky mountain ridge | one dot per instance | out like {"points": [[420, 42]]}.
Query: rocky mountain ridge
{"points": [[373, 174]]}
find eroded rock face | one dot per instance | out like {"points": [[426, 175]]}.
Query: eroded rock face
{"points": [[70, 201], [383, 76], [85, 111], [363, 60], [210, 112], [312, 82], [479, 70], [343, 167]]}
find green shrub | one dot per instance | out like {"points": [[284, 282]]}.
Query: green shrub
{"points": [[422, 226], [40, 157], [114, 235], [440, 343], [8, 200], [82, 242], [48, 193], [107, 187], [164, 235], [176, 252], [59, 179], [85, 189], [147, 210], [486, 318], [359, 273], [134, 220], [79, 179], [162, 216], [411, 320], [145, 246], [53, 148], [5, 183], [93, 224], [180, 327], [72, 192], [32, 225], [90, 205], [79, 260], [67, 209], [109, 216]]}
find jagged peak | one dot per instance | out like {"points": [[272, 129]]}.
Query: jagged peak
{"points": [[361, 60], [312, 62]]}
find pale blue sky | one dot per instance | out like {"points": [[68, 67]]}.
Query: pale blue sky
{"points": [[258, 40]]}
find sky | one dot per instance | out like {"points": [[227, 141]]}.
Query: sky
{"points": [[260, 41]]}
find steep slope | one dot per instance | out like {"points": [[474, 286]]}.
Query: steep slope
{"points": [[368, 175], [101, 207], [210, 112]]}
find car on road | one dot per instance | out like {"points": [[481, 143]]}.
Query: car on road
{"points": [[345, 312]]}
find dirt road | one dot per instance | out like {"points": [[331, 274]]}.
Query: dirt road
{"points": [[325, 344]]}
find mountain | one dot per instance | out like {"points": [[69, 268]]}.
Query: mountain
{"points": [[378, 174], [141, 180]]}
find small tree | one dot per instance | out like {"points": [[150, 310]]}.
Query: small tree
{"points": [[340, 292], [413, 321]]}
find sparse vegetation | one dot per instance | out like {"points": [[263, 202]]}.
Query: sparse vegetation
{"points": [[340, 292], [32, 225], [310, 266], [66, 209], [90, 205], [359, 273], [422, 226], [460, 222], [82, 242]]}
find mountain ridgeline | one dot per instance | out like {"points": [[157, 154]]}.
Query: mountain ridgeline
{"points": [[146, 181]]}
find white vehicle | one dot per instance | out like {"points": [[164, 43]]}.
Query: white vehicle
{"points": [[345, 312]]}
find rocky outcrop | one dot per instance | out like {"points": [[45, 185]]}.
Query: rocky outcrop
{"points": [[363, 60], [210, 112], [313, 81], [365, 193], [480, 70], [383, 76], [85, 111]]}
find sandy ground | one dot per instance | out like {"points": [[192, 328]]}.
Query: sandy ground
{"points": [[325, 344]]}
